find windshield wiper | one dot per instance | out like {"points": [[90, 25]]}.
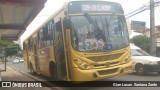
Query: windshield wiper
{"points": [[91, 21], [98, 32]]}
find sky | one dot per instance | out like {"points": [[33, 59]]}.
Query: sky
{"points": [[52, 6]]}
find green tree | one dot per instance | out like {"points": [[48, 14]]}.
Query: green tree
{"points": [[11, 47], [141, 41]]}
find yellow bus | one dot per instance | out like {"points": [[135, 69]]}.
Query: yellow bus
{"points": [[83, 41]]}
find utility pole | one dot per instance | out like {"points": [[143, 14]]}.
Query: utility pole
{"points": [[152, 30]]}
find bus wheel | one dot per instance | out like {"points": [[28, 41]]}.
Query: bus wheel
{"points": [[140, 70], [53, 72], [31, 70]]}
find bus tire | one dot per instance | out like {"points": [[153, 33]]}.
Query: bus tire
{"points": [[53, 72], [32, 70]]}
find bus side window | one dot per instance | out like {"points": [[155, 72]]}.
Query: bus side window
{"points": [[38, 41], [44, 39], [47, 37], [41, 41], [26, 46], [50, 31], [30, 44], [49, 34]]}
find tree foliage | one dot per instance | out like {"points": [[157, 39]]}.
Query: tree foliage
{"points": [[141, 41], [11, 47]]}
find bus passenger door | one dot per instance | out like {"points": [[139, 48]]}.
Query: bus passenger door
{"points": [[35, 54], [59, 51]]}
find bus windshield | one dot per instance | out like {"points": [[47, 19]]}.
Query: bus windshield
{"points": [[99, 32]]}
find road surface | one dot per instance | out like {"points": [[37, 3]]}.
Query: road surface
{"points": [[131, 77]]}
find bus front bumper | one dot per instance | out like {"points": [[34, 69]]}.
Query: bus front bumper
{"points": [[96, 74]]}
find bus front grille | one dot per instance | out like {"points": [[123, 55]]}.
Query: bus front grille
{"points": [[105, 57], [110, 64], [105, 72]]}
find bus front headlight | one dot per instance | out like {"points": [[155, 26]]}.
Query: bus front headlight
{"points": [[81, 64]]}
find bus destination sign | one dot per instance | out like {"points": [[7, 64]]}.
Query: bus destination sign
{"points": [[89, 7], [95, 7]]}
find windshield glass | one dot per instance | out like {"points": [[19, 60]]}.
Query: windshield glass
{"points": [[139, 52], [99, 32]]}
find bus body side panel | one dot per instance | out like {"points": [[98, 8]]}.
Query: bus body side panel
{"points": [[44, 59], [25, 56]]}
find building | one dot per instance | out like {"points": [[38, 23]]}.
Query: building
{"points": [[146, 32]]}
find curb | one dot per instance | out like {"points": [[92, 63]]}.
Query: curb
{"points": [[30, 76]]}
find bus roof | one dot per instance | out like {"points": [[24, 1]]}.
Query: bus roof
{"points": [[65, 8]]}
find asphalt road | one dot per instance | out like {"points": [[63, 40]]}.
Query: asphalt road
{"points": [[131, 77]]}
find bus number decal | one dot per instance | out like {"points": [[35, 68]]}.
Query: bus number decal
{"points": [[91, 44]]}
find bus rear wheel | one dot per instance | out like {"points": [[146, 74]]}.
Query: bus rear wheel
{"points": [[53, 72]]}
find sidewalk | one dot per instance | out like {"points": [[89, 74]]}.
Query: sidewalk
{"points": [[12, 75]]}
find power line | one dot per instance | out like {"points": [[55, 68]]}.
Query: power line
{"points": [[141, 9], [137, 11]]}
